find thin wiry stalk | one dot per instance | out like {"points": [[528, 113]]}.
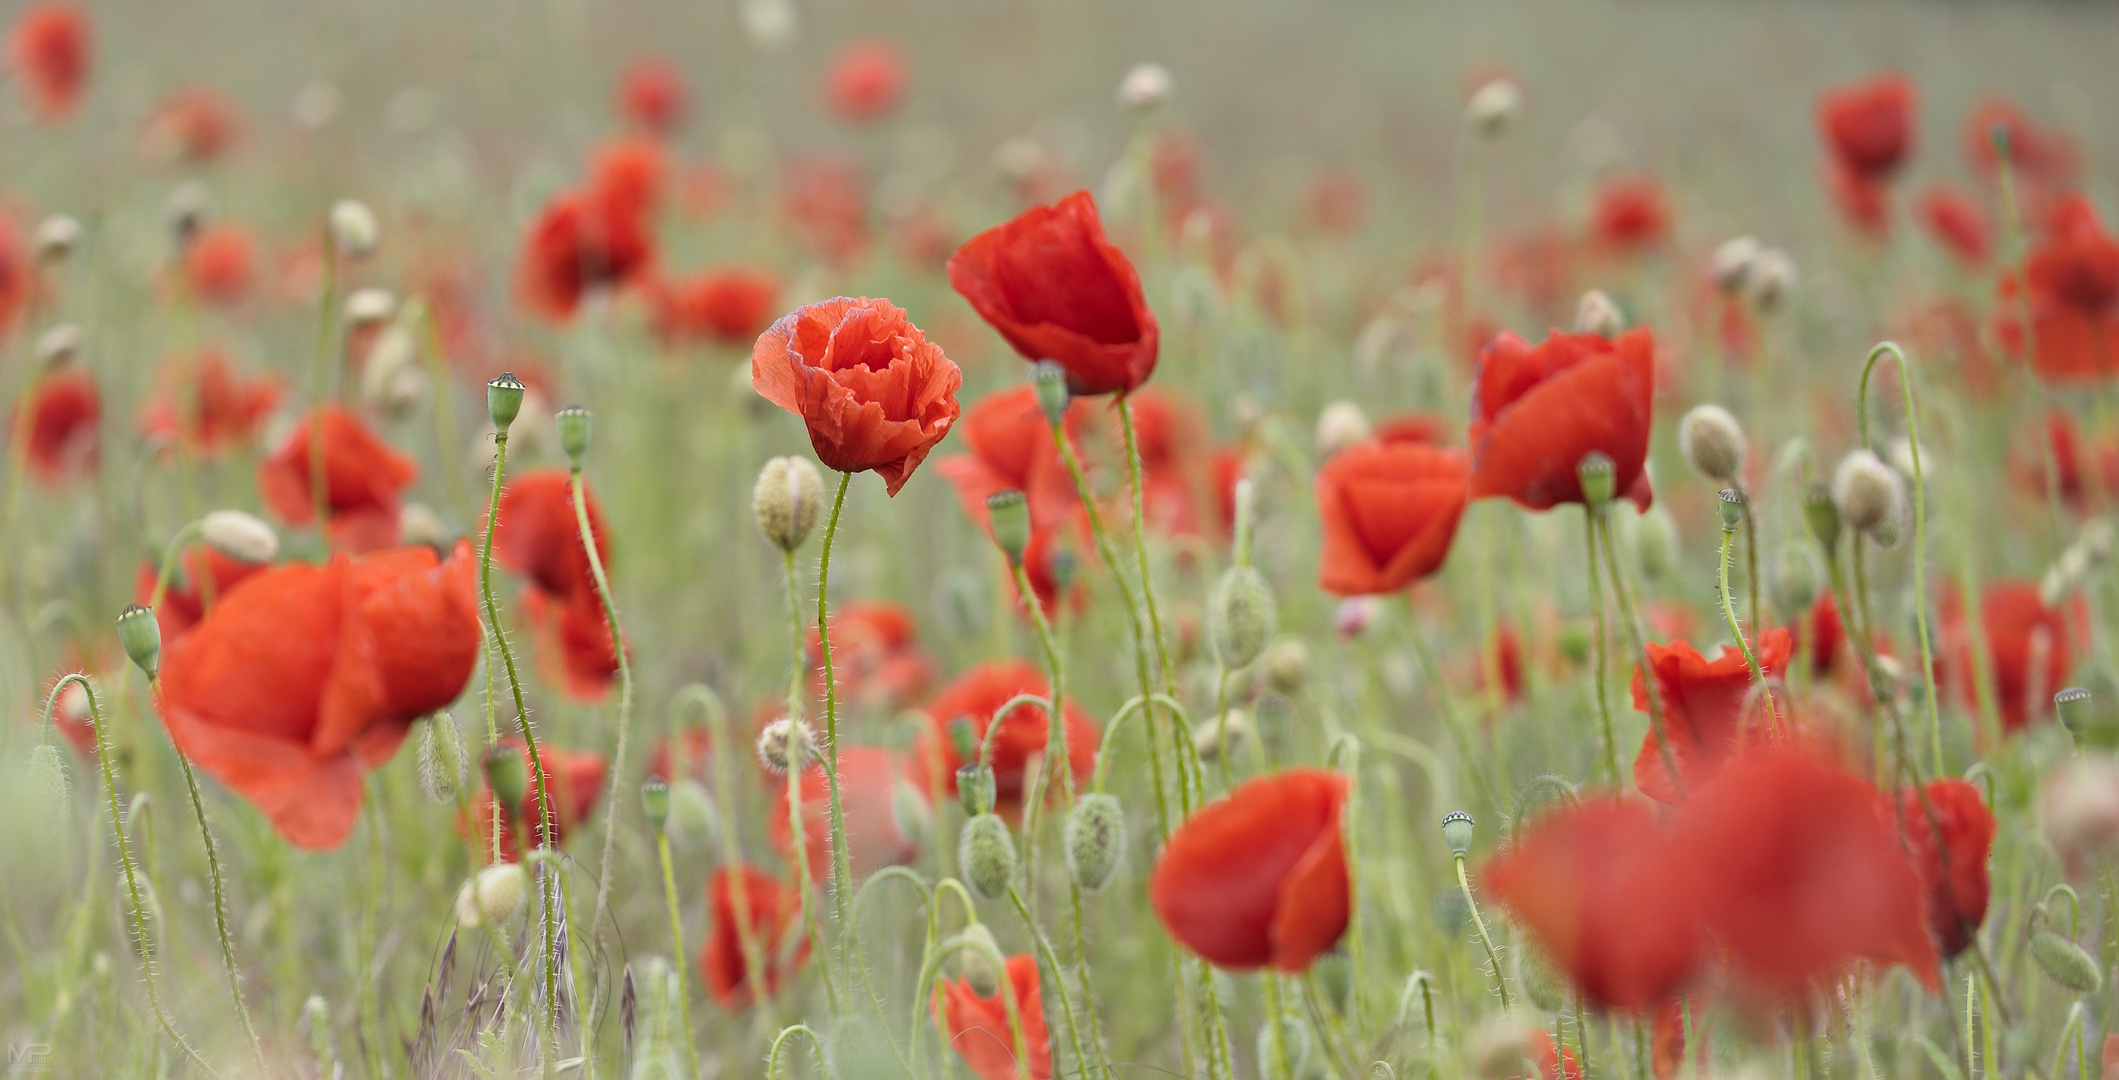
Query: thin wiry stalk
{"points": [[625, 692]]}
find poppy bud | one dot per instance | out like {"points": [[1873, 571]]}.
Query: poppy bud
{"points": [[975, 965], [58, 346], [1770, 280], [1655, 542], [142, 637], [1493, 107], [47, 772], [1457, 831], [1598, 475], [1008, 515], [1242, 617], [975, 788], [574, 424], [1902, 459], [1596, 313], [1822, 514], [1794, 579], [1223, 734], [1340, 425], [1061, 564], [655, 802], [242, 536], [1145, 88], [1540, 982], [1050, 379], [367, 307], [499, 890], [909, 809], [507, 775], [1713, 443], [467, 914], [1574, 643], [1287, 666], [187, 211], [786, 501], [57, 237], [1731, 264], [504, 400], [1731, 503], [442, 761], [784, 744], [987, 854], [1353, 617], [692, 813], [2073, 706], [2066, 963], [1869, 495], [1095, 837], [354, 230]]}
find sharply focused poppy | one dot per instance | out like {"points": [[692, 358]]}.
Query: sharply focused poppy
{"points": [[652, 95], [1260, 877], [2073, 276], [574, 784], [50, 49], [207, 404], [62, 412], [869, 777], [539, 537], [980, 1032], [1058, 289], [202, 574], [1595, 885], [362, 479], [2030, 644], [1390, 513], [867, 80], [877, 661], [218, 264], [1868, 125], [1957, 223], [1538, 410], [1711, 710], [1950, 850], [766, 919], [304, 675], [582, 241], [873, 391], [1631, 215], [946, 745]]}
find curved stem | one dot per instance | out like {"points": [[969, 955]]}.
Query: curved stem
{"points": [[1493, 955], [1920, 526], [1056, 750], [1736, 629], [772, 1059], [625, 695], [171, 553]]}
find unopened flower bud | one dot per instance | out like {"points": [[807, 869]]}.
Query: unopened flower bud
{"points": [[507, 775], [1598, 475], [987, 854], [1050, 379], [1221, 735], [354, 230], [1597, 313], [501, 888], [1287, 666], [504, 400], [467, 913], [1574, 643], [57, 237], [1061, 564], [370, 306], [242, 536], [1794, 579], [1145, 88], [1352, 618], [2073, 706], [2066, 963], [1540, 982], [786, 501], [1731, 504], [1493, 107], [909, 809], [1242, 617], [1457, 831], [419, 523], [1655, 542], [1770, 281], [574, 427], [655, 802], [1731, 264], [1822, 514], [692, 813], [1095, 838], [975, 788], [1340, 425], [1870, 497], [1712, 442], [142, 637], [785, 743], [1008, 515], [975, 965], [58, 346], [443, 760]]}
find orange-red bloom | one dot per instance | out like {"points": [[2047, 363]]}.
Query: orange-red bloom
{"points": [[2039, 156], [1538, 410], [769, 914], [1260, 877], [1868, 125], [652, 95], [630, 175], [573, 783], [873, 391], [1390, 512], [362, 479], [582, 241], [1058, 289], [1012, 448], [867, 80], [16, 279], [218, 264], [540, 538], [727, 305], [979, 1029], [2030, 644], [868, 788], [1630, 215], [1711, 711], [2074, 296], [209, 405], [877, 661], [62, 414], [1957, 223], [1950, 849], [200, 572], [50, 49], [194, 125], [304, 675], [959, 715]]}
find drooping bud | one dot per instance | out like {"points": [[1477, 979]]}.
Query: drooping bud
{"points": [[1008, 515], [975, 965], [142, 637], [240, 535], [354, 230], [1822, 514], [1770, 280], [1241, 617], [1457, 831], [1712, 442], [500, 889], [47, 776], [1095, 838], [1341, 424], [2066, 963], [1287, 666], [785, 744], [1598, 475], [504, 400], [1655, 542], [1731, 503], [987, 854], [786, 501], [369, 307], [692, 813], [1050, 379], [443, 760], [1540, 981], [1870, 496], [975, 788], [1597, 313], [58, 346], [2073, 706], [57, 237], [655, 802], [507, 775], [1731, 264], [574, 424], [909, 809], [1145, 88], [1794, 579], [467, 913], [1493, 107]]}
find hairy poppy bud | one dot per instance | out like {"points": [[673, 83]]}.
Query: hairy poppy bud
{"points": [[655, 802], [975, 786], [354, 230], [2066, 963], [1242, 617], [1287, 666], [1457, 831], [786, 500], [909, 809], [1712, 442], [1731, 264], [368, 307], [57, 237], [500, 890], [507, 775], [692, 813], [242, 536], [1008, 515], [142, 637], [1794, 579], [1050, 379], [2073, 705], [442, 759], [1540, 982], [1145, 88], [1770, 280], [1095, 838], [1597, 313], [47, 772], [784, 744], [467, 914], [504, 400], [1340, 425], [1655, 542], [58, 346], [1493, 107], [574, 432], [975, 965], [1822, 514], [1599, 478], [1870, 497], [987, 854], [1731, 502], [1221, 735]]}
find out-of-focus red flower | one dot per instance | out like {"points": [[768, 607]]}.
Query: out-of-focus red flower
{"points": [[980, 1032], [2074, 297], [219, 264], [62, 412], [573, 783], [630, 174], [582, 241], [1826, 635], [1868, 125], [2079, 470], [873, 391], [1502, 662], [1390, 512], [201, 572], [1631, 215], [209, 405], [2041, 157], [945, 745], [1711, 711], [877, 661], [1863, 201], [1950, 849], [868, 786], [769, 914], [1798, 876], [362, 479], [652, 95], [1174, 166], [1537, 265], [194, 125], [16, 279], [1950, 330], [304, 675], [866, 81], [1957, 223], [2030, 644], [1227, 466], [923, 237], [50, 49], [725, 305], [1412, 427], [1537, 410], [1012, 448], [1336, 201], [1058, 289], [1554, 1062], [1595, 885], [825, 201], [1169, 435], [539, 538], [1259, 879]]}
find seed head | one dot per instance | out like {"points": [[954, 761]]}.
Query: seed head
{"points": [[975, 788], [504, 400], [1870, 497], [655, 802], [1732, 262], [574, 424], [141, 635], [1713, 443], [1242, 617], [354, 230], [1008, 515], [1597, 313], [1050, 379], [2073, 705], [786, 743], [1340, 425], [1095, 838], [987, 854], [1598, 475], [786, 501], [1457, 831], [1287, 666], [1493, 107], [1731, 503]]}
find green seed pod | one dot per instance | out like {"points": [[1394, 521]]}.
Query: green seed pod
{"points": [[1287, 666], [975, 965], [1008, 515], [442, 758], [2073, 705], [1457, 831], [1095, 838], [1052, 393], [2066, 963], [1794, 580], [786, 500], [574, 425], [975, 788], [1241, 617], [1822, 514], [1655, 542], [507, 775], [1540, 981], [504, 400], [142, 637], [1731, 505], [1598, 475], [692, 813], [987, 854], [655, 802]]}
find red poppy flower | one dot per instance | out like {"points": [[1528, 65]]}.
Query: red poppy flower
{"points": [[16, 279], [201, 571], [1538, 410], [825, 201], [972, 698], [877, 661], [362, 479], [1175, 165], [1863, 201], [1058, 289], [1226, 467], [652, 95], [1260, 877], [1826, 635], [574, 781], [1412, 427], [2078, 470], [573, 642], [194, 125], [218, 410], [2030, 645], [1631, 215], [1594, 884], [1554, 1062], [873, 391], [2074, 296], [50, 50], [769, 914], [1868, 125], [62, 412], [729, 306], [1798, 876], [1957, 223], [540, 539], [1336, 201], [1390, 512], [2039, 156], [1502, 662], [1950, 849], [866, 81], [304, 675], [218, 264], [582, 241], [630, 175], [979, 1029], [1169, 435], [1711, 711], [868, 789]]}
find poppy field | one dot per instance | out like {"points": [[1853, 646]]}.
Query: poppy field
{"points": [[810, 538]]}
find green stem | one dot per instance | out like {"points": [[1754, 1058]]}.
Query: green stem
{"points": [[1736, 629], [684, 994], [1493, 955], [1920, 526], [1056, 753], [841, 867], [772, 1059], [1599, 654], [625, 695], [1276, 1026], [1640, 649], [1059, 978]]}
